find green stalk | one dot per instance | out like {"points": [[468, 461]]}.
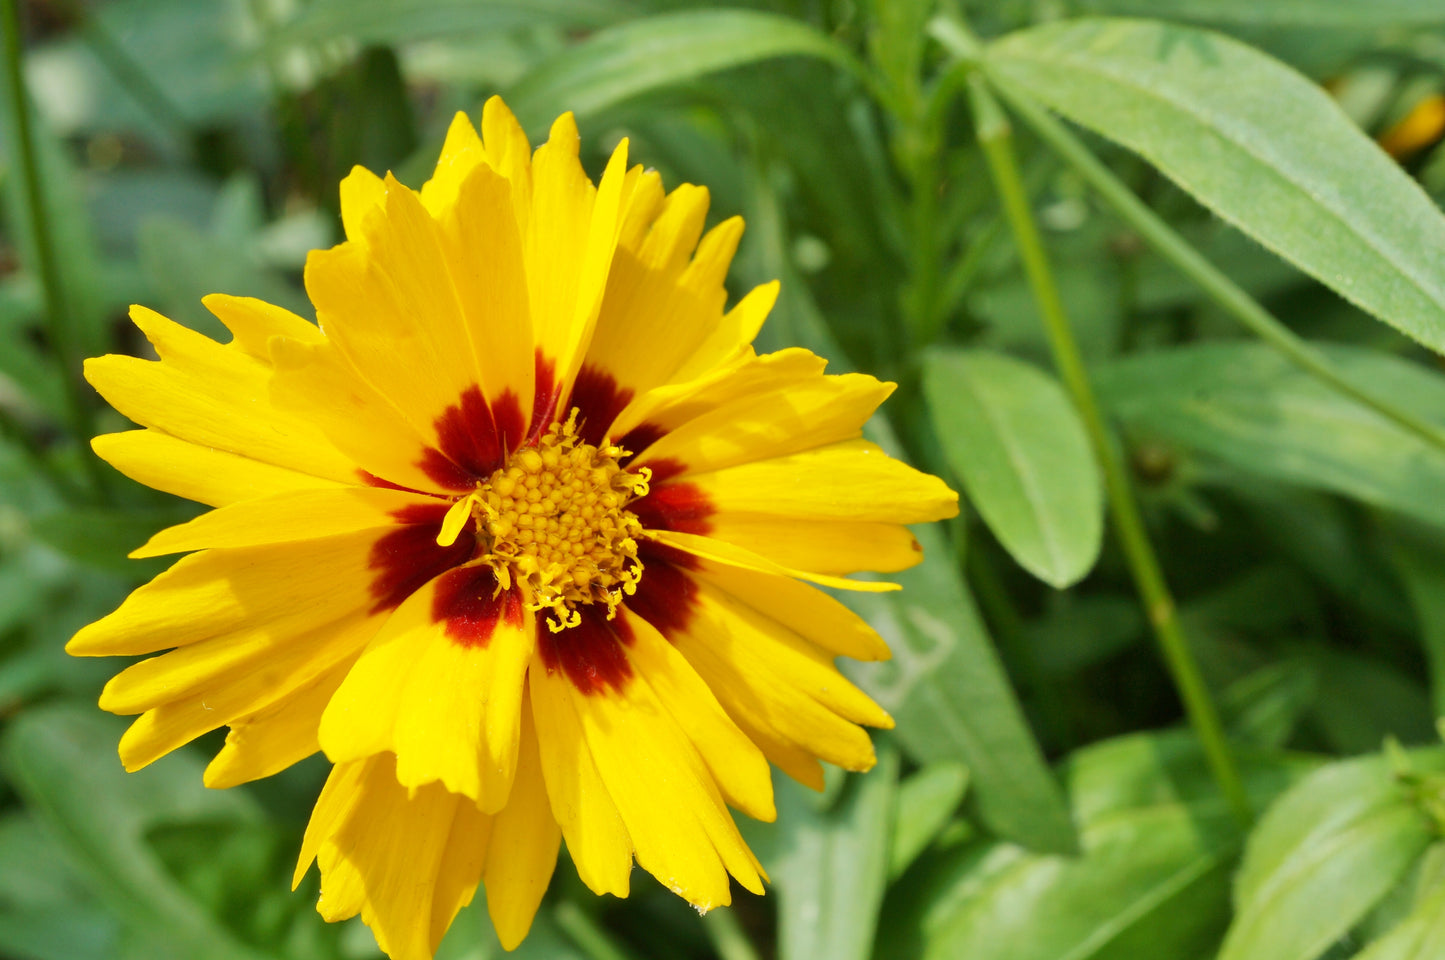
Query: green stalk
{"points": [[996, 139], [1178, 251], [587, 933], [57, 313], [727, 935]]}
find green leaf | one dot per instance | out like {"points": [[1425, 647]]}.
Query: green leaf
{"points": [[948, 691], [1265, 707], [1384, 700], [399, 21], [1249, 407], [926, 802], [1420, 936], [1011, 434], [650, 53], [1152, 882], [51, 756], [1284, 13], [1322, 856], [831, 866], [45, 911], [1257, 143]]}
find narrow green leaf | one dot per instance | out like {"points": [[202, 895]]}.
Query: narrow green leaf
{"points": [[1283, 13], [1322, 856], [926, 802], [1384, 700], [831, 865], [655, 52], [1011, 434], [1251, 408], [1152, 882], [45, 911], [948, 691], [50, 755], [1421, 936], [1257, 143], [399, 21], [1265, 706]]}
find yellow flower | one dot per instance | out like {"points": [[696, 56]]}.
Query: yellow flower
{"points": [[521, 537]]}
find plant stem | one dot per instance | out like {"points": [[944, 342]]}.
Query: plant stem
{"points": [[727, 935], [585, 932], [996, 138], [1178, 251], [62, 343]]}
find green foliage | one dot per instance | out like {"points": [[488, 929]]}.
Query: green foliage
{"points": [[1015, 441], [1270, 509]]}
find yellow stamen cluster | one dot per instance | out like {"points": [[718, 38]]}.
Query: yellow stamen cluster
{"points": [[554, 520]]}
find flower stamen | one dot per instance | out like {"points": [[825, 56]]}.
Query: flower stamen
{"points": [[553, 520]]}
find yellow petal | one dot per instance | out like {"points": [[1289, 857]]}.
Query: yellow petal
{"points": [[680, 828], [804, 609], [666, 408], [467, 849], [523, 851], [207, 685], [650, 321], [278, 591], [570, 239], [204, 474], [733, 335], [767, 683], [398, 270], [798, 417], [736, 764], [509, 153], [354, 417], [195, 392], [286, 518], [722, 552], [443, 694], [819, 546], [254, 322], [461, 153], [406, 861], [483, 246], [853, 481], [596, 838], [274, 738], [362, 192]]}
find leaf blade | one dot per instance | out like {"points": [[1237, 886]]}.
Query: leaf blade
{"points": [[1287, 168], [1010, 433], [949, 693], [1245, 405], [648, 53]]}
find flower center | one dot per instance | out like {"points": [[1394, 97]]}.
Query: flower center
{"points": [[553, 520]]}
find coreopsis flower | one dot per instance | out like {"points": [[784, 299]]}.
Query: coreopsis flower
{"points": [[522, 536]]}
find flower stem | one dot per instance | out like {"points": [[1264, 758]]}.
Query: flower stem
{"points": [[1178, 251], [996, 139], [62, 343], [587, 933], [727, 935]]}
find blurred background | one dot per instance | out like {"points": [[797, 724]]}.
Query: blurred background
{"points": [[194, 146]]}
